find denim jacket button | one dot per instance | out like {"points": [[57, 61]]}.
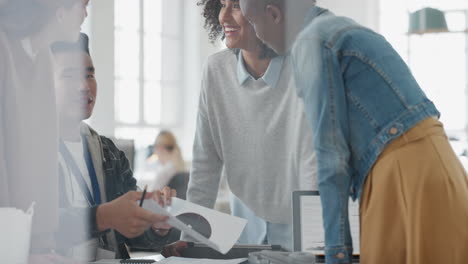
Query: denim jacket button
{"points": [[393, 131]]}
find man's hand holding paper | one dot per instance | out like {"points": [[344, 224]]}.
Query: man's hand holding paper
{"points": [[124, 215], [163, 198], [215, 229]]}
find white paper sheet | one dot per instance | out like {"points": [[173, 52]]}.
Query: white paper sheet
{"points": [[215, 229], [175, 260]]}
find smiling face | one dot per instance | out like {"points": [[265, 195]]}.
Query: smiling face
{"points": [[76, 85], [239, 34]]}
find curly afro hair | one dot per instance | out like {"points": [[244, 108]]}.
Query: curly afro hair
{"points": [[211, 9]]}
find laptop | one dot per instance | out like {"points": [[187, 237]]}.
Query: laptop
{"points": [[308, 232]]}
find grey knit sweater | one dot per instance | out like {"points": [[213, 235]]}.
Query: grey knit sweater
{"points": [[258, 134]]}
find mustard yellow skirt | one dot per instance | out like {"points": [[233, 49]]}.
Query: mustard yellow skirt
{"points": [[414, 206]]}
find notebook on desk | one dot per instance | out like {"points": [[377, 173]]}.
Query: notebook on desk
{"points": [[308, 230]]}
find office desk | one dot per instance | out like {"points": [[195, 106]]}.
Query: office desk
{"points": [[152, 255]]}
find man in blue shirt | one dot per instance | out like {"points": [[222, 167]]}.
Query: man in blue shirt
{"points": [[376, 135]]}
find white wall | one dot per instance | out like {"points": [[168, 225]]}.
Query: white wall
{"points": [[365, 12]]}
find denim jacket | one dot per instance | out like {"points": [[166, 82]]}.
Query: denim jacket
{"points": [[359, 95]]}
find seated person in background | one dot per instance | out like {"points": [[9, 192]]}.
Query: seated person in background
{"points": [[168, 158], [99, 203]]}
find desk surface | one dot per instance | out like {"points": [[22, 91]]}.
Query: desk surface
{"points": [[151, 255]]}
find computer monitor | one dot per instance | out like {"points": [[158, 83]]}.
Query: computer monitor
{"points": [[308, 232]]}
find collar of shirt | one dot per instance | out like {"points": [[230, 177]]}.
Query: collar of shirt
{"points": [[314, 12], [271, 76], [84, 129]]}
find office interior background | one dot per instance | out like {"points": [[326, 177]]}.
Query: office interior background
{"points": [[149, 56]]}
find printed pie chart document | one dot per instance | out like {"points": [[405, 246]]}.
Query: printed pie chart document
{"points": [[215, 229]]}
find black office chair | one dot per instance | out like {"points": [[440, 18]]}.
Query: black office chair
{"points": [[180, 183]]}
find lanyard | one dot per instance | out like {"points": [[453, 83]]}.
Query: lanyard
{"points": [[79, 176]]}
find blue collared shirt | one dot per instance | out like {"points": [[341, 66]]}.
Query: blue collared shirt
{"points": [[359, 95], [271, 76]]}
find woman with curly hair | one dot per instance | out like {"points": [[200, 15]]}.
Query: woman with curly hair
{"points": [[250, 125]]}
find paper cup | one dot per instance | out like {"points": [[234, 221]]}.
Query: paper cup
{"points": [[15, 238]]}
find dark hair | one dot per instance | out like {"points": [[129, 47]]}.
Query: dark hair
{"points": [[81, 45], [211, 9]]}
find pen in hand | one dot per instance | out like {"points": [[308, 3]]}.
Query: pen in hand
{"points": [[143, 196]]}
